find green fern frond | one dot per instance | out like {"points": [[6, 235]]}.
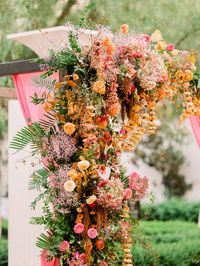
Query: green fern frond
{"points": [[44, 241], [41, 82], [31, 134], [38, 179], [48, 122]]}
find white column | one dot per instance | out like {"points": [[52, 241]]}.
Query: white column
{"points": [[22, 235]]}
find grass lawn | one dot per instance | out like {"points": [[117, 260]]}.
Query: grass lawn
{"points": [[174, 243]]}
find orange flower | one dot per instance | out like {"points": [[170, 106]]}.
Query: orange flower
{"points": [[69, 128], [99, 86], [124, 28], [102, 121], [188, 75], [114, 109], [99, 244], [47, 107], [107, 41], [71, 83], [106, 136], [62, 119], [110, 49], [73, 174]]}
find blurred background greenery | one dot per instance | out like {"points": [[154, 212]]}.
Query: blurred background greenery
{"points": [[179, 22]]}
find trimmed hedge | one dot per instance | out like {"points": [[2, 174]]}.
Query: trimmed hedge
{"points": [[3, 252], [4, 245], [172, 243], [174, 209]]}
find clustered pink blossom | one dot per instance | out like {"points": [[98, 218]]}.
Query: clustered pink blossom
{"points": [[153, 70], [111, 194], [62, 201], [60, 146], [78, 259], [139, 185]]}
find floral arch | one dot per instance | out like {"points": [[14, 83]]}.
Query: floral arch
{"points": [[104, 103]]}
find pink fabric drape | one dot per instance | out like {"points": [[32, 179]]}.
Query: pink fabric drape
{"points": [[195, 123], [25, 88], [44, 261]]}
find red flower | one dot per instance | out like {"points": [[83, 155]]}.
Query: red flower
{"points": [[106, 136]]}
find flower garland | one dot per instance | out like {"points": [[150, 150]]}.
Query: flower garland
{"points": [[104, 104]]}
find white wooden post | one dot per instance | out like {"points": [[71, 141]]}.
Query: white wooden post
{"points": [[22, 235]]}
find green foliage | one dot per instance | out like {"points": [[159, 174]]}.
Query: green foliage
{"points": [[174, 209], [172, 244], [40, 82], [3, 121], [73, 42], [32, 134], [3, 252], [4, 244]]}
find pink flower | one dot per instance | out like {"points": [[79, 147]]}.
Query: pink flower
{"points": [[134, 176], [123, 131], [170, 47], [128, 193], [103, 263], [78, 228], [139, 185], [92, 233], [147, 38], [63, 246]]}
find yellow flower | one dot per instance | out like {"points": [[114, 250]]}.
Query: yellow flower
{"points": [[99, 86], [156, 36], [91, 199], [75, 77], [69, 128], [175, 52], [83, 165], [73, 174], [160, 46], [69, 185]]}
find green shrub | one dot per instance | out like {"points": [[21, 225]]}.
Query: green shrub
{"points": [[172, 243], [174, 209], [3, 252]]}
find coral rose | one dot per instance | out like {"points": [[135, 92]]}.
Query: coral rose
{"points": [[79, 228], [69, 185], [92, 233], [69, 128], [124, 28], [63, 246], [83, 165]]}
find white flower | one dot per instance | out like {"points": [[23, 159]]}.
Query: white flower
{"points": [[83, 165], [69, 185], [106, 174], [91, 199]]}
